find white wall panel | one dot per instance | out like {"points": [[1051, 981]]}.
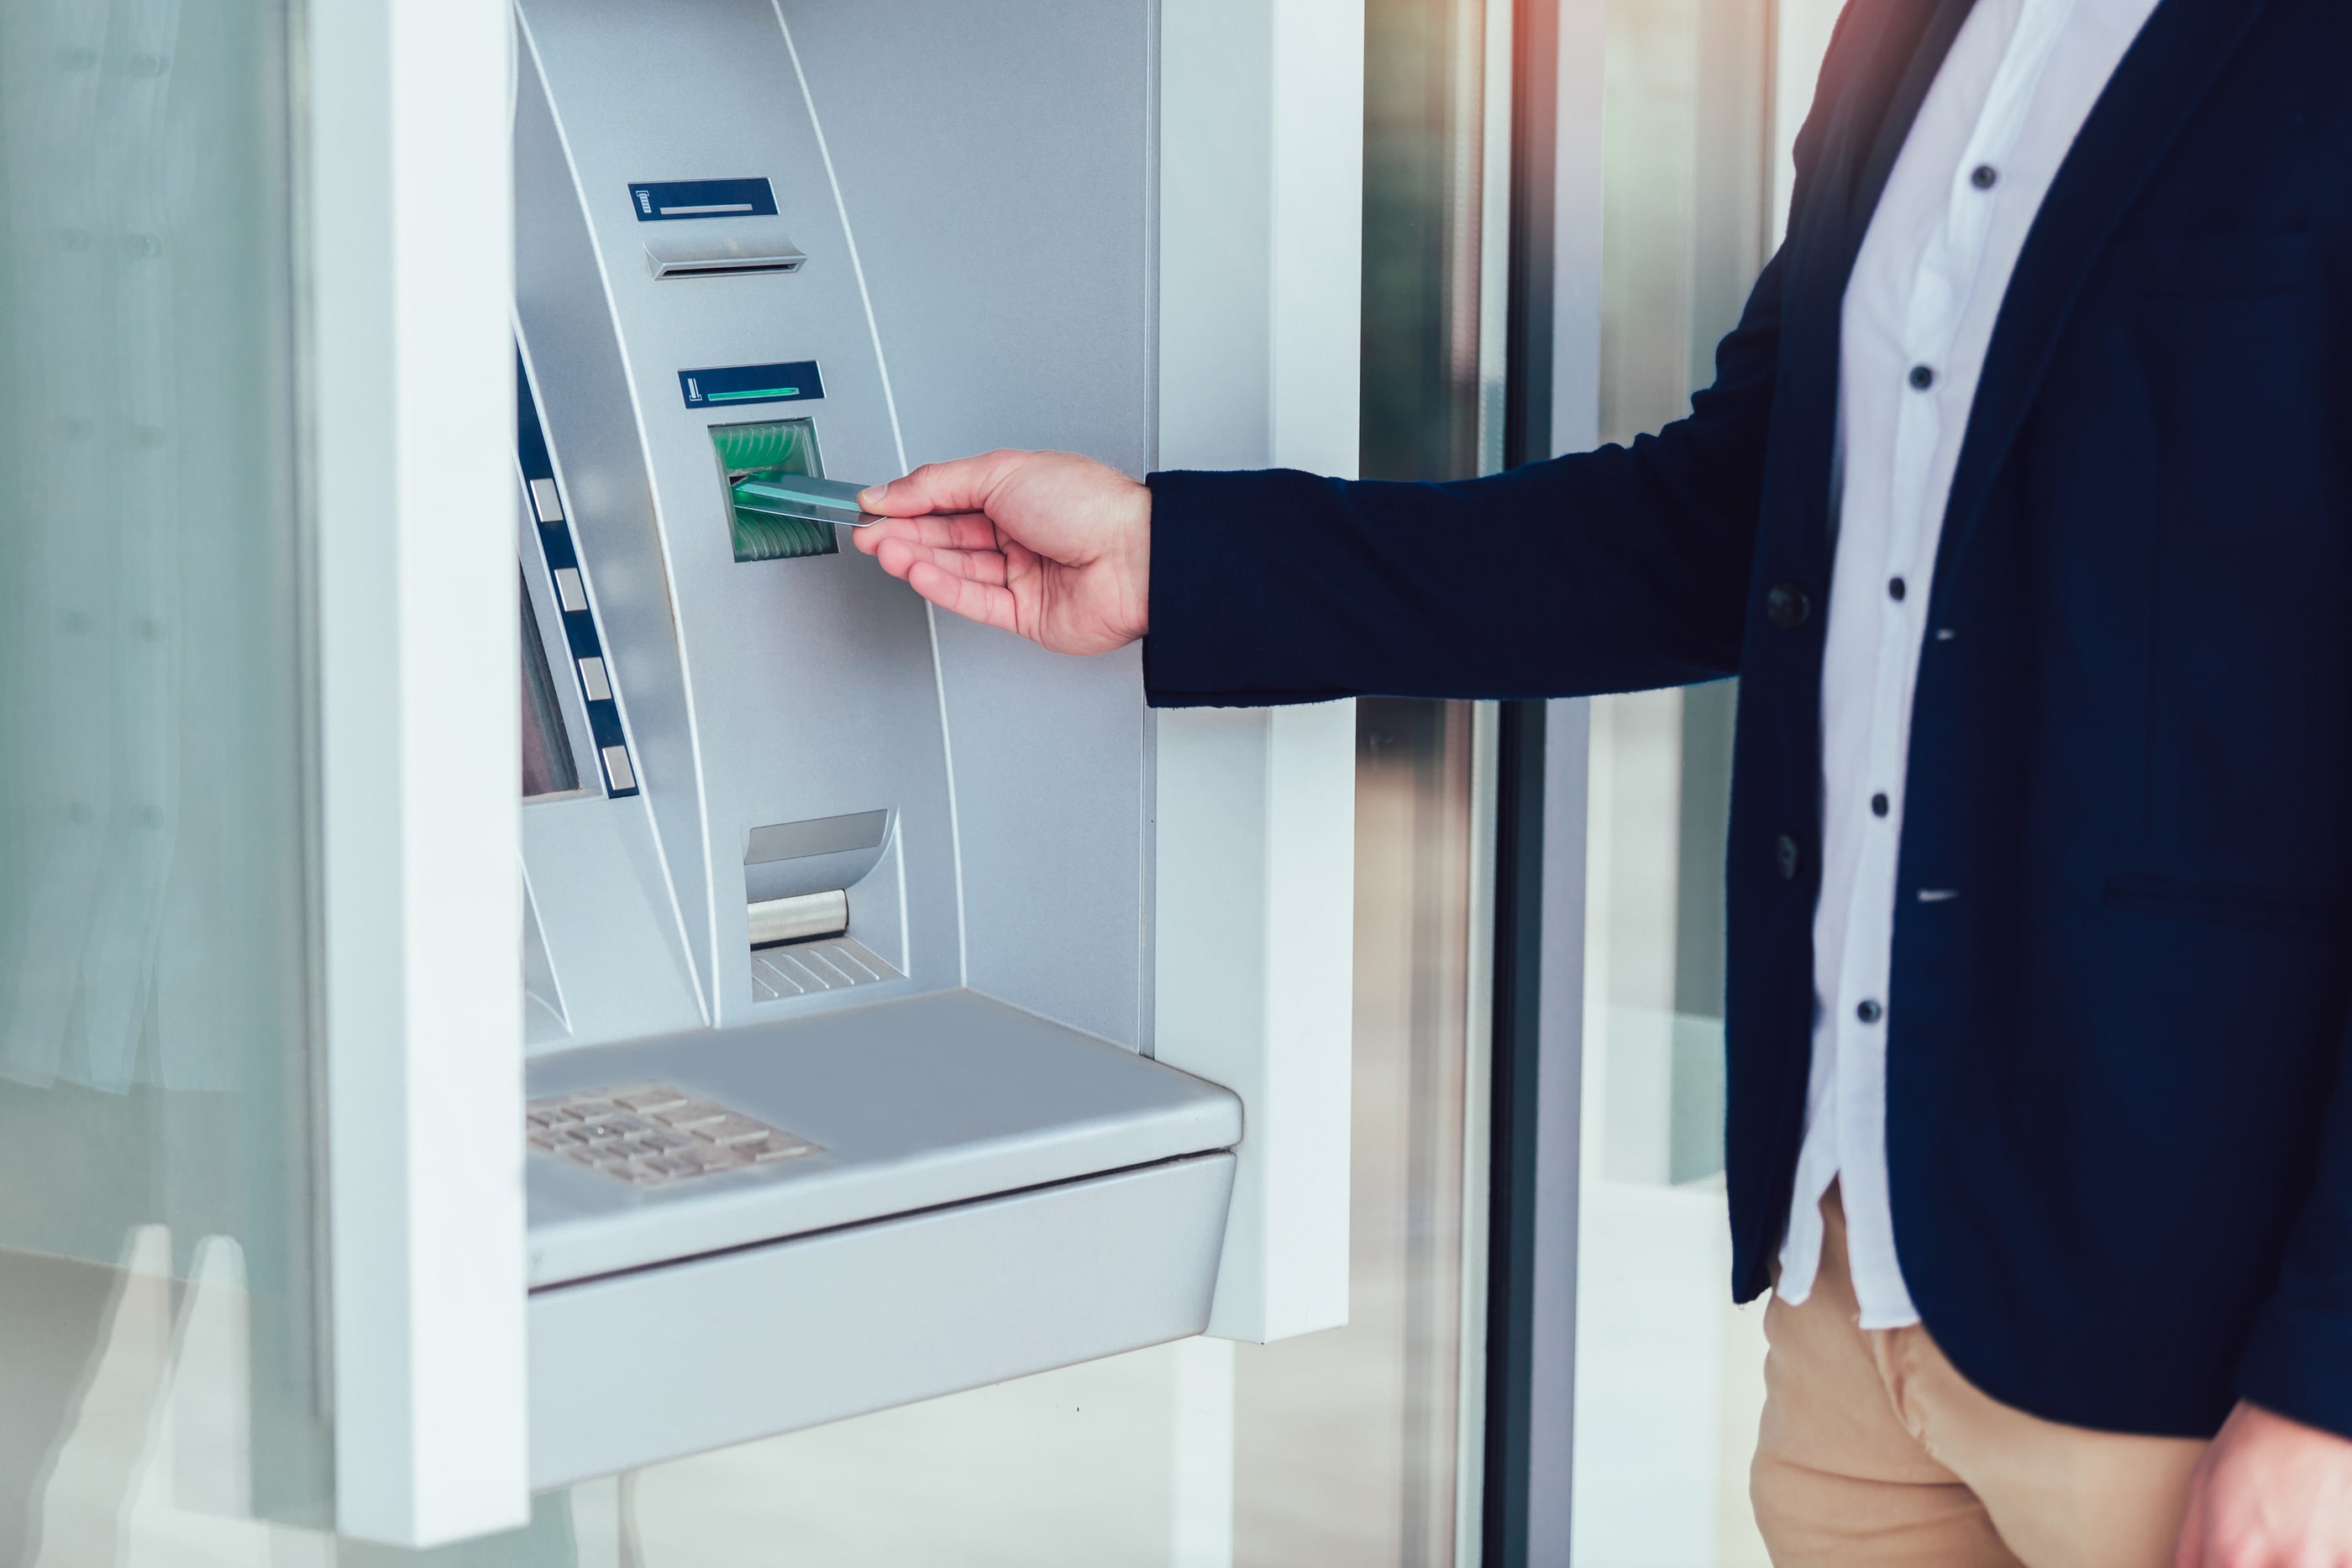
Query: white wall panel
{"points": [[412, 478]]}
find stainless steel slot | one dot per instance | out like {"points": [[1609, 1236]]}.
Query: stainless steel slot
{"points": [[730, 245], [775, 921], [723, 270]]}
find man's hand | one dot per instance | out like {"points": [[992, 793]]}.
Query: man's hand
{"points": [[2269, 1494], [1054, 546]]}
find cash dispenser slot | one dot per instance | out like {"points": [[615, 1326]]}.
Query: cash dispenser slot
{"points": [[779, 922], [798, 913]]}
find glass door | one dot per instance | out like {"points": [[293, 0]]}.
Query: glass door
{"points": [[1699, 103]]}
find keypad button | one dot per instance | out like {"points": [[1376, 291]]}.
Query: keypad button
{"points": [[609, 1130]]}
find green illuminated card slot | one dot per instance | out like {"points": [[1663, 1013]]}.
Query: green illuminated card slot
{"points": [[779, 506], [796, 496], [765, 536]]}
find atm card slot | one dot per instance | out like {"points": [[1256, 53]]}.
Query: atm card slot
{"points": [[776, 535], [778, 507]]}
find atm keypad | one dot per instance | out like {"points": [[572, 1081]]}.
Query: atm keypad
{"points": [[649, 1134]]}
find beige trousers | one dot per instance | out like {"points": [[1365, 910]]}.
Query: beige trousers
{"points": [[1873, 1451]]}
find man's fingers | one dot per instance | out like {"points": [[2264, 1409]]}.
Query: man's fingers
{"points": [[990, 606], [955, 531], [963, 486], [958, 531], [947, 530], [899, 557]]}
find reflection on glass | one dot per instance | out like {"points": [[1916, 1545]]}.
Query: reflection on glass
{"points": [[1670, 1376], [1349, 1445], [1360, 1448], [1423, 121], [1121, 1463], [158, 1257]]}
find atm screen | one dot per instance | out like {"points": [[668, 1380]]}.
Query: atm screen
{"points": [[547, 766]]}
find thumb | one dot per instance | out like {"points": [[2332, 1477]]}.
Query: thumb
{"points": [[963, 486]]}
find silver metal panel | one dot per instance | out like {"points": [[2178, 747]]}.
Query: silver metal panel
{"points": [[826, 836], [802, 874], [933, 1100], [604, 911], [542, 998], [786, 860], [1001, 192], [809, 687], [582, 385], [662, 1363]]}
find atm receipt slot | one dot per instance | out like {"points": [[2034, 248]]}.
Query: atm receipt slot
{"points": [[749, 245]]}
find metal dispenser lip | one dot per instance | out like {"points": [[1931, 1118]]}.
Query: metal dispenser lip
{"points": [[801, 918], [723, 246]]}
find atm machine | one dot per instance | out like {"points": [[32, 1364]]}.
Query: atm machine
{"points": [[838, 942]]}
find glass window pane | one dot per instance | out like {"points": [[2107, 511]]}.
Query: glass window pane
{"points": [[1350, 1444], [159, 1252]]}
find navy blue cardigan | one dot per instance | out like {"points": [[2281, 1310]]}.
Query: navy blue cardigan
{"points": [[2120, 1148]]}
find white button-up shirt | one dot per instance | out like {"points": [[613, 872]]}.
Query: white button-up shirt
{"points": [[2005, 106]]}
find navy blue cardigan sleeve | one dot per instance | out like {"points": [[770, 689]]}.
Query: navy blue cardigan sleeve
{"points": [[1616, 569]]}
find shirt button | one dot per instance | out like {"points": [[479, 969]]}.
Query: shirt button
{"points": [[1786, 858], [1869, 1012], [1895, 589], [1786, 606], [1922, 377], [1984, 177], [1878, 805]]}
